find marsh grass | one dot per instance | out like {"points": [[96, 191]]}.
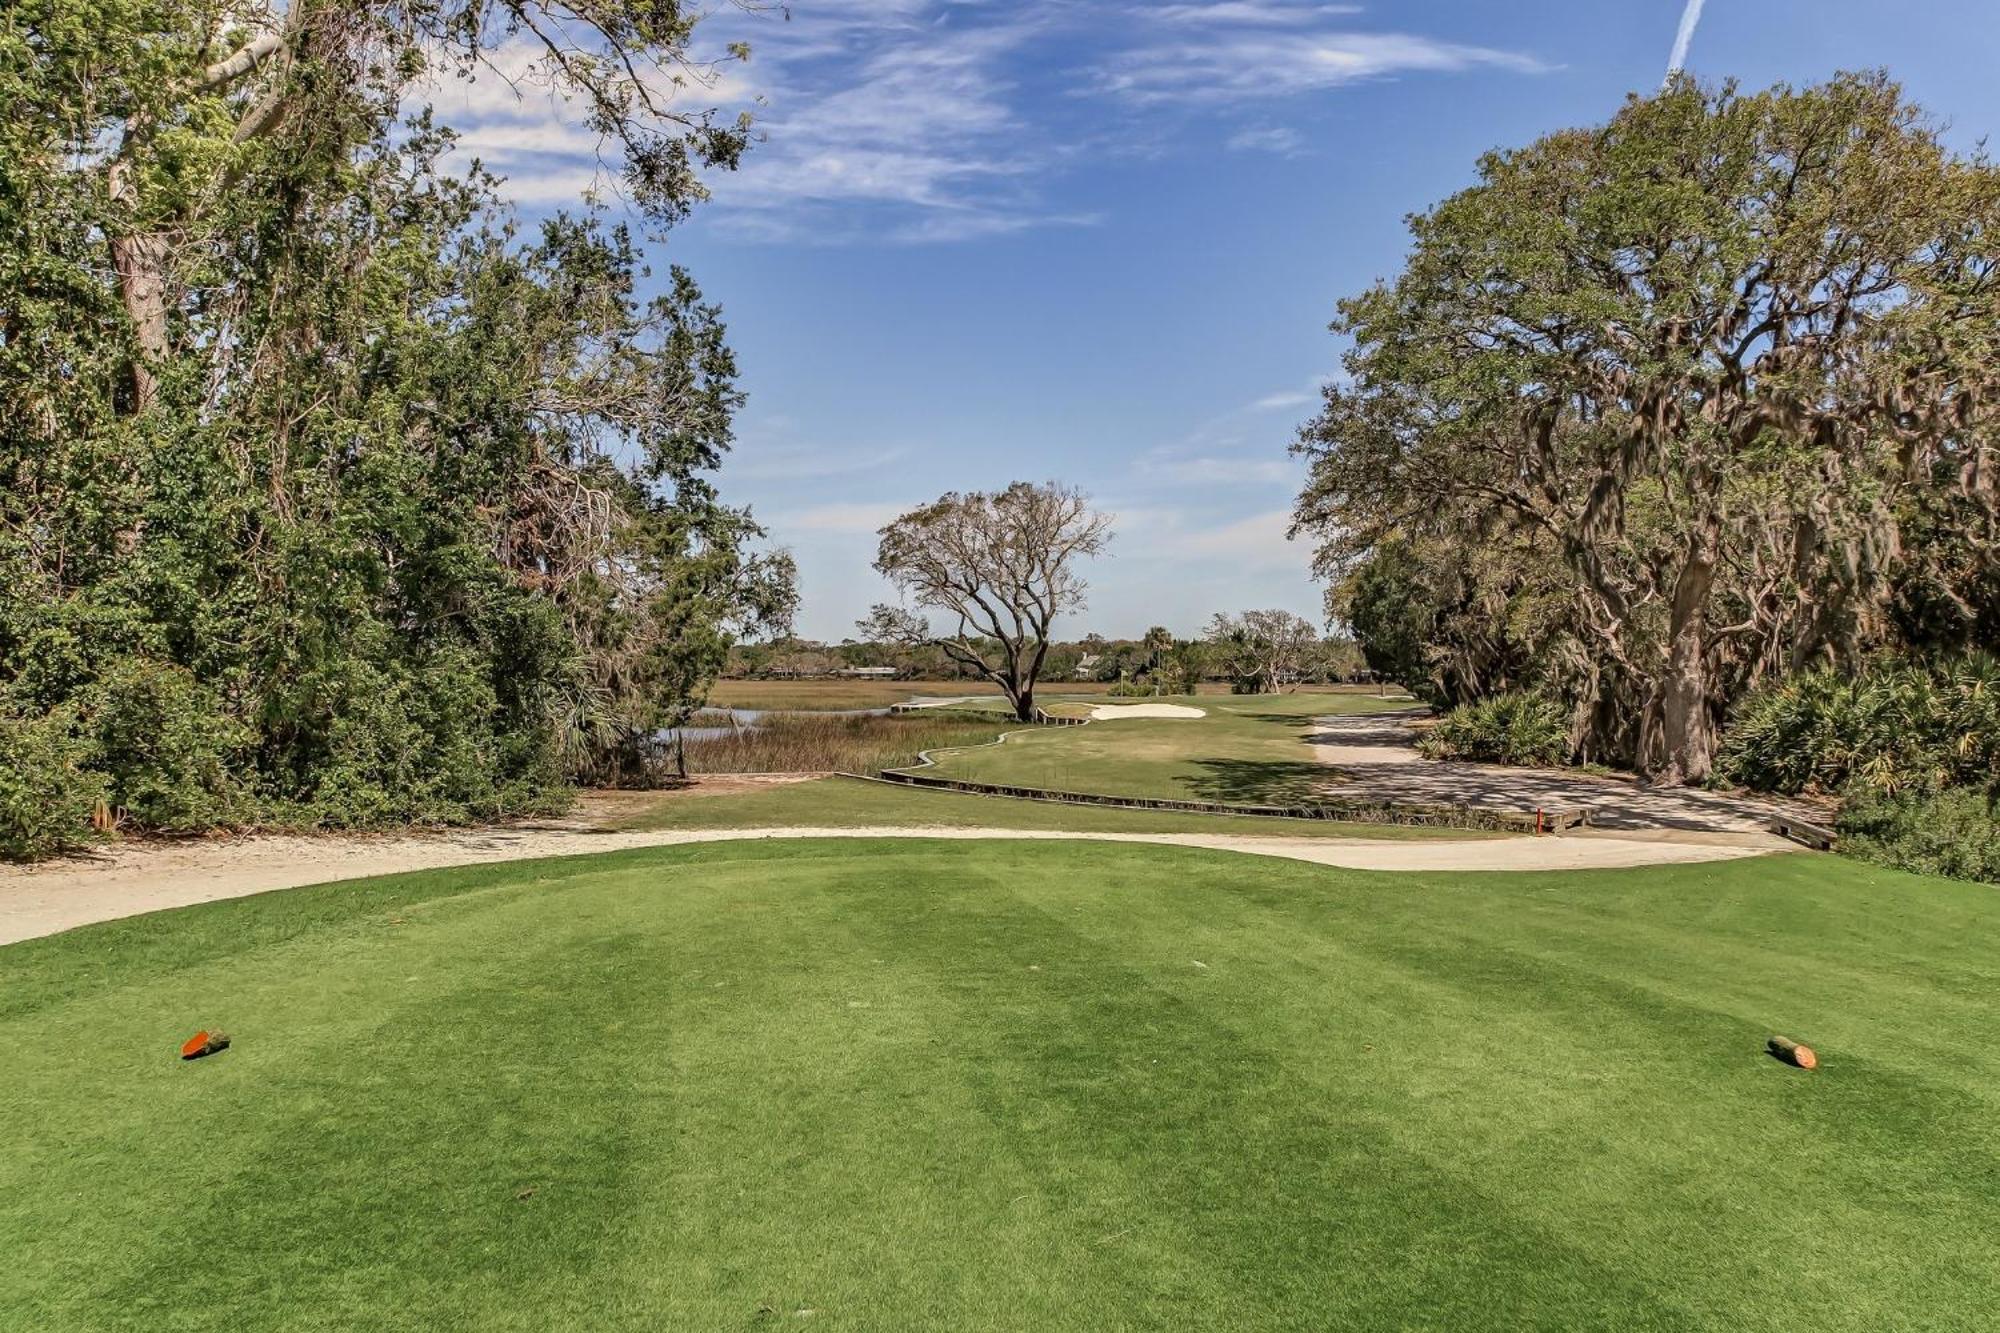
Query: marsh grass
{"points": [[825, 743]]}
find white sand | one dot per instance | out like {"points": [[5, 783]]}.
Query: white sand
{"points": [[1113, 712], [148, 877]]}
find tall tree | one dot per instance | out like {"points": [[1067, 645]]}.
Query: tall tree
{"points": [[326, 494], [1708, 358], [997, 569]]}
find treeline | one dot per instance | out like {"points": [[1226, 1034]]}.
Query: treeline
{"points": [[329, 495], [1663, 415], [1253, 650]]}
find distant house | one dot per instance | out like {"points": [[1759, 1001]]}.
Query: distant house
{"points": [[869, 673], [1086, 666]]}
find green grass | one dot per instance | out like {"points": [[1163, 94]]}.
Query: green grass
{"points": [[1012, 1086], [1248, 750], [848, 803]]}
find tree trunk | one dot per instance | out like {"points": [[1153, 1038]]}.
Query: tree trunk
{"points": [[1687, 735], [141, 263], [1024, 703], [140, 260]]}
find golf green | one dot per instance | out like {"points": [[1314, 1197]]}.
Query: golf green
{"points": [[990, 1085]]}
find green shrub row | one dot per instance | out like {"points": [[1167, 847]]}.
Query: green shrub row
{"points": [[1955, 832], [368, 745]]}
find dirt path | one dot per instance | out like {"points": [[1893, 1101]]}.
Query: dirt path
{"points": [[1377, 759], [149, 877]]}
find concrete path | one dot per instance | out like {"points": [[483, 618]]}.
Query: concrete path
{"points": [[1377, 759], [127, 880]]}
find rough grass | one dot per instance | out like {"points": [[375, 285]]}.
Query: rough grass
{"points": [[849, 803], [1248, 750], [818, 743], [1011, 1086]]}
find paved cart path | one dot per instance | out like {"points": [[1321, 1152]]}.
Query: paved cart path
{"points": [[1377, 760]]}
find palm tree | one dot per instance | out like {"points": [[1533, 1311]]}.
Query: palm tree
{"points": [[1157, 641]]}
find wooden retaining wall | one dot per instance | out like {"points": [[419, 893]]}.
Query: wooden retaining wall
{"points": [[1816, 836]]}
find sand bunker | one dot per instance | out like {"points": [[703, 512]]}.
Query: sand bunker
{"points": [[130, 878], [1112, 712]]}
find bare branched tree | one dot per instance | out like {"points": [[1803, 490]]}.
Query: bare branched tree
{"points": [[999, 568], [1263, 651]]}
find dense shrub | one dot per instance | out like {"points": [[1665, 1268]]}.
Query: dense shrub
{"points": [[47, 789], [166, 746], [1954, 832], [1918, 727], [1133, 689], [1521, 728]]}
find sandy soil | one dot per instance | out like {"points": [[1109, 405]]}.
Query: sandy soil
{"points": [[1114, 712], [134, 878]]}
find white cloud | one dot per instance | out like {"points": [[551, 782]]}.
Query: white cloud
{"points": [[1223, 470], [1279, 139], [941, 120], [891, 121], [1248, 13], [798, 462], [833, 518], [1256, 542], [1290, 398], [1258, 66]]}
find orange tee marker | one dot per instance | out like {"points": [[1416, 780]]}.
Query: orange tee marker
{"points": [[203, 1043]]}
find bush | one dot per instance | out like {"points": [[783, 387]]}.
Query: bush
{"points": [[1522, 728], [1955, 833], [1132, 689], [47, 789], [167, 747], [1916, 727]]}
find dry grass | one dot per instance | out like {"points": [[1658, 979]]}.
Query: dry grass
{"points": [[808, 696], [817, 743]]}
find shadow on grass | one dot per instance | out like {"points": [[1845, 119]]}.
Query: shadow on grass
{"points": [[1260, 781]]}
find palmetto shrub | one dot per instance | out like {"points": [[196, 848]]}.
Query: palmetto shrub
{"points": [[1520, 728], [1901, 727], [1912, 746]]}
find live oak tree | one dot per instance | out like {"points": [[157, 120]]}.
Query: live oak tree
{"points": [[1700, 374], [984, 576]]}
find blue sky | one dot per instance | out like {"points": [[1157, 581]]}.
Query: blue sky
{"points": [[985, 240]]}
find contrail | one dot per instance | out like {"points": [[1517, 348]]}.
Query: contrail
{"points": [[1689, 17]]}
